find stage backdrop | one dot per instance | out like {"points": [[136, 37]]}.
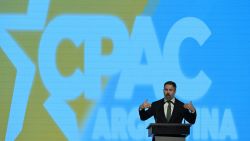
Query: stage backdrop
{"points": [[78, 69]]}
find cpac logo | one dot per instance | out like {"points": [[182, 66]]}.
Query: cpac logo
{"points": [[124, 59]]}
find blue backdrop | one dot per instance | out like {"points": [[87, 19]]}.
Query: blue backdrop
{"points": [[204, 46]]}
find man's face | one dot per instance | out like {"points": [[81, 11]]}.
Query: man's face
{"points": [[169, 91]]}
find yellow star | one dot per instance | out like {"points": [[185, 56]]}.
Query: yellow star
{"points": [[81, 107]]}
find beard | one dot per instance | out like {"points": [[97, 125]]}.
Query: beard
{"points": [[168, 96]]}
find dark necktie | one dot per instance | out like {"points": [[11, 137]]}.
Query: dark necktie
{"points": [[169, 110]]}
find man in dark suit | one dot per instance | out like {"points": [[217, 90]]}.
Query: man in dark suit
{"points": [[168, 109]]}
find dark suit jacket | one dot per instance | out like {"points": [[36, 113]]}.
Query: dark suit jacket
{"points": [[157, 110]]}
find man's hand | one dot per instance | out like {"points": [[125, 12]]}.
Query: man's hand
{"points": [[190, 107], [145, 104]]}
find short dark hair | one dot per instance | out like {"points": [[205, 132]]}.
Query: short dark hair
{"points": [[170, 83]]}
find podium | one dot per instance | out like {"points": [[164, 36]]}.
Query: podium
{"points": [[168, 131]]}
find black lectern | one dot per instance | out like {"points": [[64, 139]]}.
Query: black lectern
{"points": [[169, 131]]}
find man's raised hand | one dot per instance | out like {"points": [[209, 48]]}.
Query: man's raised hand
{"points": [[145, 104], [190, 107]]}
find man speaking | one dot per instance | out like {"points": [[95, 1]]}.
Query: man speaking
{"points": [[168, 109]]}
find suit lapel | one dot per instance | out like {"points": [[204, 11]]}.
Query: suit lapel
{"points": [[163, 116], [175, 110]]}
